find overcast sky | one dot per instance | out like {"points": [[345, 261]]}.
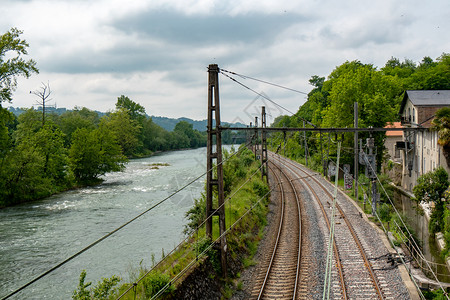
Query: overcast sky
{"points": [[157, 52]]}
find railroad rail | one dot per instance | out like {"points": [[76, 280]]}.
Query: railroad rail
{"points": [[356, 277], [279, 279]]}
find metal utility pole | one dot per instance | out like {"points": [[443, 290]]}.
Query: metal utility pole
{"points": [[264, 167], [369, 160], [355, 160], [256, 138], [214, 178], [306, 145]]}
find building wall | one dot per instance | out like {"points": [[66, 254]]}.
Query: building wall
{"points": [[390, 143], [426, 156]]}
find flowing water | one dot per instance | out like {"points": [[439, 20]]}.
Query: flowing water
{"points": [[38, 235]]}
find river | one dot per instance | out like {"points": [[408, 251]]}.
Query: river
{"points": [[38, 235]]}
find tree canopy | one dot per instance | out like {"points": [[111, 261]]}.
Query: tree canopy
{"points": [[15, 48]]}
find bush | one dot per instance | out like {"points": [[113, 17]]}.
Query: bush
{"points": [[104, 289], [154, 282], [384, 212]]}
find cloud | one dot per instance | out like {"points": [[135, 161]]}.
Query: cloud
{"points": [[204, 30], [157, 52]]}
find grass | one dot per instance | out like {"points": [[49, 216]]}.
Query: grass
{"points": [[242, 239]]}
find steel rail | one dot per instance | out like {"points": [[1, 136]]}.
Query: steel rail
{"points": [[280, 226], [335, 248], [297, 273], [352, 231]]}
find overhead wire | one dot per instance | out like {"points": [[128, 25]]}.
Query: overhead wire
{"points": [[195, 230], [266, 82], [265, 97], [386, 233], [112, 232], [161, 291], [404, 225], [406, 228]]}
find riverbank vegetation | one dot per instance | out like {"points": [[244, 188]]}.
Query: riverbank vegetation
{"points": [[378, 92], [246, 208], [40, 158], [42, 154]]}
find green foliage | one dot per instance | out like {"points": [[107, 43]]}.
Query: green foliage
{"points": [[124, 128], [434, 295], [93, 153], [104, 290], [446, 228], [154, 282], [377, 92], [441, 124], [431, 186], [384, 212], [196, 214], [12, 48]]}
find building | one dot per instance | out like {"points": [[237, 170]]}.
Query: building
{"points": [[392, 137], [421, 152]]}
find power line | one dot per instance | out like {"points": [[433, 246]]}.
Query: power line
{"points": [[263, 81], [189, 236], [112, 232], [267, 98]]}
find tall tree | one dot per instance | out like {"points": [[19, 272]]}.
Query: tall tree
{"points": [[125, 129], [135, 110], [93, 153], [15, 65], [43, 94]]}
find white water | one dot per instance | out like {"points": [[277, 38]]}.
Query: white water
{"points": [[36, 236]]}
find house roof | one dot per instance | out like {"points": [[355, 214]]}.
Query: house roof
{"points": [[394, 133], [426, 98]]}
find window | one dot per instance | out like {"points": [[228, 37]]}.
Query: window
{"points": [[413, 116]]}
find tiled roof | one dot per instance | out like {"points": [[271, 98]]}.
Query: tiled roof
{"points": [[394, 133]]}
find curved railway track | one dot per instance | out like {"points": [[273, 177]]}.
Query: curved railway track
{"points": [[356, 278]]}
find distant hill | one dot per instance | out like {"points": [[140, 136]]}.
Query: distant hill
{"points": [[169, 123], [49, 109]]}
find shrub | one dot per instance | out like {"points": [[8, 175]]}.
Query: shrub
{"points": [[154, 282]]}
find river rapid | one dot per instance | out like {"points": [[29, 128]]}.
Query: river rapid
{"points": [[36, 236]]}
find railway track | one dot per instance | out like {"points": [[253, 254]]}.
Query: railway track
{"points": [[279, 278], [354, 277]]}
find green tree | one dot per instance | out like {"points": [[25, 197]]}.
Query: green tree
{"points": [[431, 75], [15, 65], [135, 110], [6, 118], [93, 153], [70, 121], [430, 188], [125, 129], [441, 124]]}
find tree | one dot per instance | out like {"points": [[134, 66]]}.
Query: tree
{"points": [[430, 188], [70, 121], [126, 130], [14, 66], [93, 153], [135, 110], [441, 124], [43, 94]]}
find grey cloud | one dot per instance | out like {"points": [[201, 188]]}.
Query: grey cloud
{"points": [[197, 30]]}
